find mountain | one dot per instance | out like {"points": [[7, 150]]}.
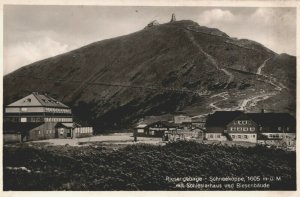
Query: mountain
{"points": [[166, 68]]}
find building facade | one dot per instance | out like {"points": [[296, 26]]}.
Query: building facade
{"points": [[264, 128], [155, 129], [37, 117], [242, 128]]}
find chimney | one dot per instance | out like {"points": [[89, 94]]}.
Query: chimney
{"points": [[173, 19]]}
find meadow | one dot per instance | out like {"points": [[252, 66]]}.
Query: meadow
{"points": [[141, 166]]}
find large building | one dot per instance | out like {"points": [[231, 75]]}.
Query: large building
{"points": [[37, 107], [263, 128], [37, 117]]}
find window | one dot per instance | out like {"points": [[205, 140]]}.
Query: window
{"points": [[245, 129], [23, 109], [253, 136], [244, 122], [232, 136], [252, 128], [239, 128], [246, 136], [239, 136], [23, 119], [218, 136], [232, 128], [211, 136], [239, 122]]}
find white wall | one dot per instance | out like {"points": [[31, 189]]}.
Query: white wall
{"points": [[215, 136], [244, 137]]}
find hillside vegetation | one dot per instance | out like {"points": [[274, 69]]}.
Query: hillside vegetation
{"points": [[141, 167], [159, 70]]}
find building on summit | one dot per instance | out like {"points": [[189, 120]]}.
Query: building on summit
{"points": [[37, 117], [173, 19]]}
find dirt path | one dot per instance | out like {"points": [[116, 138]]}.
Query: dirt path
{"points": [[224, 96], [229, 74], [268, 79], [262, 66], [251, 102], [210, 58]]}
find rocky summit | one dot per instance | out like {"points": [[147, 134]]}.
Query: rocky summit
{"points": [[163, 69]]}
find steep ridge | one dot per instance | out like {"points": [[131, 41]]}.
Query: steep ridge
{"points": [[162, 69]]}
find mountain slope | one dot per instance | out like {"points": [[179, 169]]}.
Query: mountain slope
{"points": [[170, 67]]}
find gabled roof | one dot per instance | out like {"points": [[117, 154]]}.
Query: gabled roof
{"points": [[67, 125], [222, 118], [141, 126], [273, 119], [36, 99]]}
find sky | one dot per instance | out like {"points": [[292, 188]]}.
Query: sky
{"points": [[36, 32]]}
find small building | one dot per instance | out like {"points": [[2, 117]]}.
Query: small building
{"points": [[141, 130], [199, 122], [183, 133], [155, 129], [179, 119], [72, 130], [173, 18], [152, 23]]}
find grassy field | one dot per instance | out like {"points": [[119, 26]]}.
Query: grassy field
{"points": [[39, 166]]}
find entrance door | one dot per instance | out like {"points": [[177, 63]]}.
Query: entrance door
{"points": [[56, 133], [69, 133]]}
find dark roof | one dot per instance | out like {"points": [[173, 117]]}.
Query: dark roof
{"points": [[164, 123], [67, 125], [48, 101], [36, 99], [273, 119], [222, 118]]}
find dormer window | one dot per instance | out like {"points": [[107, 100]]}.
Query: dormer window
{"points": [[27, 100]]}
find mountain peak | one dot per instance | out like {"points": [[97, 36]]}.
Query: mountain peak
{"points": [[159, 70]]}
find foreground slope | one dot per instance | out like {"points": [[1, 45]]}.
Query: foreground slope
{"points": [[145, 167], [178, 66]]}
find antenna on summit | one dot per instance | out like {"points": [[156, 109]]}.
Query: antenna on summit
{"points": [[173, 19]]}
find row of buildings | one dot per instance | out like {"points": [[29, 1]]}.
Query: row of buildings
{"points": [[278, 129], [38, 117]]}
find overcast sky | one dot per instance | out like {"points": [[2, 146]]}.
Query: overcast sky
{"points": [[32, 33]]}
